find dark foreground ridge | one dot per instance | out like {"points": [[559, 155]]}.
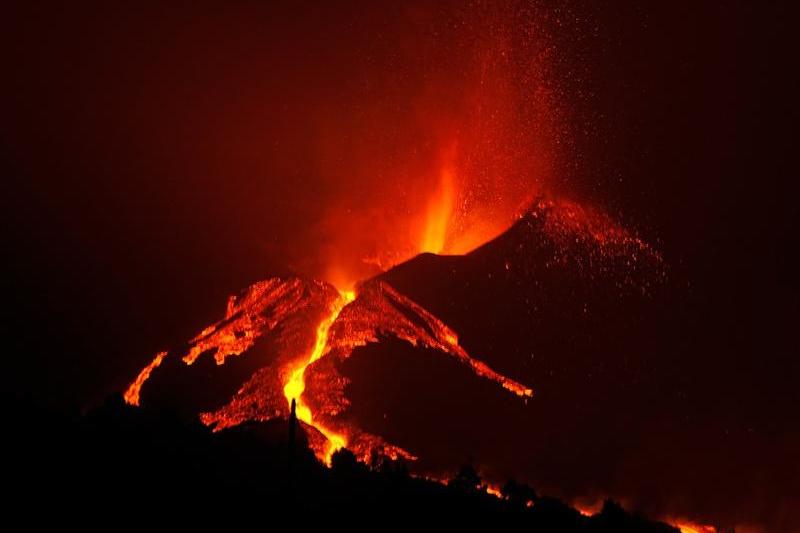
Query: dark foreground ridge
{"points": [[127, 459]]}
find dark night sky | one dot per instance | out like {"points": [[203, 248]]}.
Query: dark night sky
{"points": [[156, 160]]}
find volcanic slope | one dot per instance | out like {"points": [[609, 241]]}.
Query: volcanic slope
{"points": [[553, 284]]}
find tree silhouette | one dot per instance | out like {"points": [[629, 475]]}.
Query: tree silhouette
{"points": [[292, 434], [384, 464], [343, 461], [467, 479], [518, 494]]}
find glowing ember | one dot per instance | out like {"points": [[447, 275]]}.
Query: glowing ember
{"points": [[132, 394], [495, 491]]}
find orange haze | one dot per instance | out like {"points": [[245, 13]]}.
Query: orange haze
{"points": [[445, 145]]}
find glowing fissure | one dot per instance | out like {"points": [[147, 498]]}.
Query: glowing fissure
{"points": [[295, 386]]}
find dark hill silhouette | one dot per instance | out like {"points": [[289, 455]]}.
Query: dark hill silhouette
{"points": [[149, 463]]}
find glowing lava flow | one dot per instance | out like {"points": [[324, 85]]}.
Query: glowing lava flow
{"points": [[132, 394], [689, 527], [293, 390]]}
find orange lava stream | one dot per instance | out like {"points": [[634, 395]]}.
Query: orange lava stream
{"points": [[131, 395], [294, 387], [689, 527]]}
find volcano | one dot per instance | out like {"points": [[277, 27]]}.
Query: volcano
{"points": [[289, 338]]}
